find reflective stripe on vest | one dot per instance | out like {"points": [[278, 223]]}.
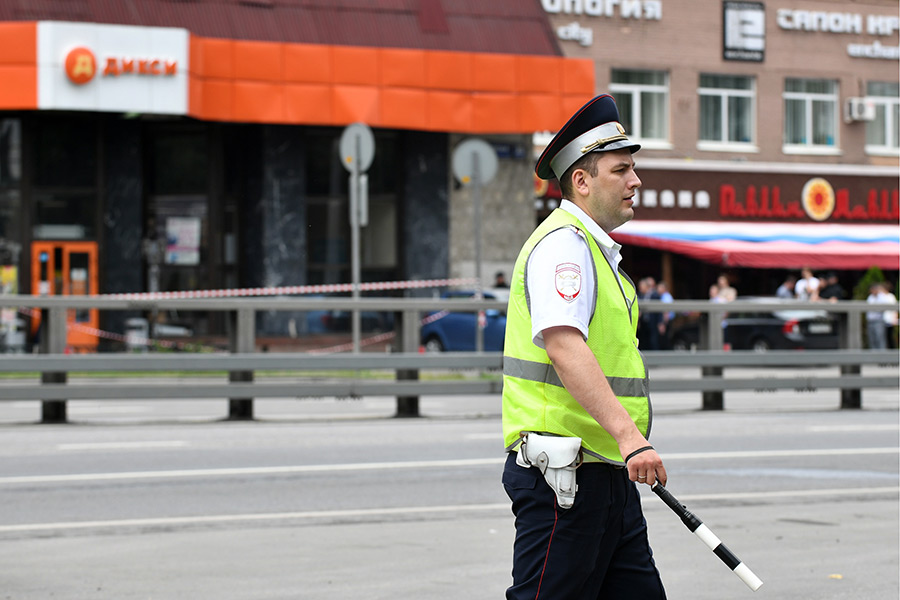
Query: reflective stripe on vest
{"points": [[546, 373]]}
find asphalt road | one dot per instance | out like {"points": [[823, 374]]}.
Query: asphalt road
{"points": [[334, 499]]}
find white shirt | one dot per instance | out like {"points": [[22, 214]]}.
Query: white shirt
{"points": [[805, 287], [559, 276]]}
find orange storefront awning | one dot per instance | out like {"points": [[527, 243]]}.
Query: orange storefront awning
{"points": [[428, 90], [315, 84]]}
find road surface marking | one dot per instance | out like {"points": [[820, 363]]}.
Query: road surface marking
{"points": [[875, 427], [393, 511], [122, 445], [420, 464]]}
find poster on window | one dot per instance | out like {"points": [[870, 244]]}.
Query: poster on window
{"points": [[9, 284], [182, 241]]}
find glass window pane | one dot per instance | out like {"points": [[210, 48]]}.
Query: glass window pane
{"points": [[639, 77], [66, 151], [794, 122], [823, 123], [710, 118], [740, 119], [325, 175], [793, 85], [653, 115], [10, 231], [876, 130], [625, 104], [895, 129], [179, 163], [64, 215], [726, 82], [10, 152], [882, 88]]}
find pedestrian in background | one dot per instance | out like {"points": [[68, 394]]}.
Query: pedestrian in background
{"points": [[785, 291], [890, 315], [650, 326], [726, 292], [832, 290], [575, 386], [807, 287], [665, 296], [875, 327]]}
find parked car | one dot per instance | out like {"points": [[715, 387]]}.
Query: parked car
{"points": [[445, 331], [340, 321], [786, 329]]}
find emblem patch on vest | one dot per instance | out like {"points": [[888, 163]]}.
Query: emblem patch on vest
{"points": [[568, 281]]}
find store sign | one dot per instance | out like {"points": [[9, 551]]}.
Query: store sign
{"points": [[849, 23], [649, 10], [818, 201], [626, 9], [112, 68], [744, 31], [770, 197], [81, 65]]}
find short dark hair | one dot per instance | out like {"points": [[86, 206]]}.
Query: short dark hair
{"points": [[588, 162]]}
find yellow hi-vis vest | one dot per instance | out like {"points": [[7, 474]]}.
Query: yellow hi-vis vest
{"points": [[534, 398]]}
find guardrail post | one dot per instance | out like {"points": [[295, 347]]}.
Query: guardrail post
{"points": [[851, 339], [711, 339], [53, 341], [408, 406], [243, 340]]}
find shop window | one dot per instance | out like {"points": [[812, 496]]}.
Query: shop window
{"points": [[66, 153], [180, 163], [727, 109], [327, 211], [810, 116], [10, 200], [10, 153], [883, 133], [643, 101], [65, 191], [64, 215]]}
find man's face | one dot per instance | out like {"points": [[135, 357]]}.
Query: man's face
{"points": [[612, 189]]}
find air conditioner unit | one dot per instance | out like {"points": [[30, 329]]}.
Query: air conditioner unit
{"points": [[859, 109]]}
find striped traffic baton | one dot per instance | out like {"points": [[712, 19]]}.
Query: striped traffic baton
{"points": [[708, 537]]}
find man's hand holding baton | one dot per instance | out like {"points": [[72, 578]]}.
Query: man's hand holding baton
{"points": [[696, 526]]}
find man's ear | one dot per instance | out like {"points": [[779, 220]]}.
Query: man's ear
{"points": [[579, 182]]}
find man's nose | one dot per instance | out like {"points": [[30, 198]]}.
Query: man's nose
{"points": [[636, 181]]}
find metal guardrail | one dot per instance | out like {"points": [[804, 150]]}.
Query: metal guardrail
{"points": [[243, 364]]}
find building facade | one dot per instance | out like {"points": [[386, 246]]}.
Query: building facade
{"points": [[769, 132], [170, 146], [159, 146]]}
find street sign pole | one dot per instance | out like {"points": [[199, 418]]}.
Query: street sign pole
{"points": [[476, 194], [357, 149], [475, 163], [354, 249]]}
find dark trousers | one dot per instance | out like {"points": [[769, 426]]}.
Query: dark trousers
{"points": [[598, 549]]}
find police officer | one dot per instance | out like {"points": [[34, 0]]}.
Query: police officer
{"points": [[573, 377]]}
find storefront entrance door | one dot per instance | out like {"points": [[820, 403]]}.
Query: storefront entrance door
{"points": [[68, 268]]}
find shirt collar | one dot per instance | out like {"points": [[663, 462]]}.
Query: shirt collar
{"points": [[601, 236]]}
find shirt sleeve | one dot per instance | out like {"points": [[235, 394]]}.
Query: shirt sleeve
{"points": [[560, 283]]}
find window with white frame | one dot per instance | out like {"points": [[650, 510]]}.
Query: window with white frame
{"points": [[810, 115], [643, 101], [883, 133], [727, 108]]}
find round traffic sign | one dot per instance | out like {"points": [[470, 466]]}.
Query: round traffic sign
{"points": [[357, 147], [470, 152]]}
